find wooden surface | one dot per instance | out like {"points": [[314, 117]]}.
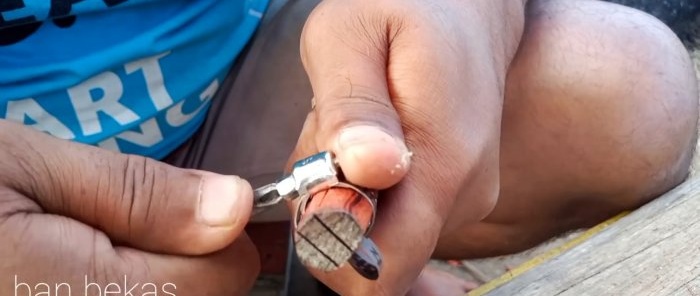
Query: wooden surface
{"points": [[652, 251], [332, 228]]}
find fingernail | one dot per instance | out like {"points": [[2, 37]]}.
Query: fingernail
{"points": [[223, 200], [362, 135]]}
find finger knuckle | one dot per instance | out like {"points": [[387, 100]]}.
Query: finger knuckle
{"points": [[29, 171], [102, 266], [350, 21], [138, 192], [349, 103]]}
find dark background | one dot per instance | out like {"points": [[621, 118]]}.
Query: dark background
{"points": [[683, 16]]}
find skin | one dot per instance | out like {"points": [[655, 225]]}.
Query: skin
{"points": [[435, 282], [70, 211], [588, 131], [383, 92], [487, 132], [585, 110]]}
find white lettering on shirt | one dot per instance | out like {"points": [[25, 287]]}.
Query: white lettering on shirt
{"points": [[87, 107], [150, 67], [101, 94], [176, 117], [45, 122], [149, 136]]}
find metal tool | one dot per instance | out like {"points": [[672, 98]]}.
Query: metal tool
{"points": [[311, 175]]}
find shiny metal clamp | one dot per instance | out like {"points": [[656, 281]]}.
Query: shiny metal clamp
{"points": [[309, 176]]}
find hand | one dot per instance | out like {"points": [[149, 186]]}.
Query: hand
{"points": [[417, 84], [72, 215]]}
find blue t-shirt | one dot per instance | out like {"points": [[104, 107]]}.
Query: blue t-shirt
{"points": [[135, 76]]}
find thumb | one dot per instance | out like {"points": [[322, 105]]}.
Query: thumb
{"points": [[353, 115], [135, 200]]}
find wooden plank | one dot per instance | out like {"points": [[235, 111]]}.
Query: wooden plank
{"points": [[544, 257], [652, 251]]}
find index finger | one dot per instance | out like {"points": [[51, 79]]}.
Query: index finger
{"points": [[44, 250]]}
